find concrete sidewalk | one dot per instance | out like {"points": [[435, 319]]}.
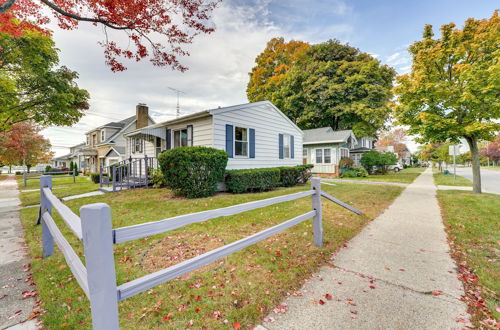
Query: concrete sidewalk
{"points": [[396, 274], [14, 307]]}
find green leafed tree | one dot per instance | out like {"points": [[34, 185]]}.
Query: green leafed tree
{"points": [[453, 89], [32, 85], [327, 84]]}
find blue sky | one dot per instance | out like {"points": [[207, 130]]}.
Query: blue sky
{"points": [[219, 63]]}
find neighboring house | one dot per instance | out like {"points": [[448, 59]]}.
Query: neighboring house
{"points": [[77, 155], [61, 161], [362, 146], [403, 156], [254, 135], [106, 144], [324, 147]]}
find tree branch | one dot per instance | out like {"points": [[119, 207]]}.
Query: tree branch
{"points": [[109, 24], [6, 6]]}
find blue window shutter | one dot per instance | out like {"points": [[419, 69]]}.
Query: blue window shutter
{"points": [[169, 139], [292, 146], [229, 140], [281, 146], [252, 143]]}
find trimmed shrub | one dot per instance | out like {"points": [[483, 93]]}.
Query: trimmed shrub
{"points": [[193, 171], [156, 178], [355, 172], [289, 176], [378, 160], [94, 176], [346, 163], [257, 179], [305, 173], [48, 168]]}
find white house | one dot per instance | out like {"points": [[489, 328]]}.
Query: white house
{"points": [[254, 135], [325, 147], [362, 146]]}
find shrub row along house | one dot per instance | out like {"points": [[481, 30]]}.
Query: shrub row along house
{"points": [[254, 135]]}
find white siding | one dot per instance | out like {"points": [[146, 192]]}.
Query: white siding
{"points": [[323, 168], [268, 124], [202, 130]]}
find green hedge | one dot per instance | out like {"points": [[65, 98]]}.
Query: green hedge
{"points": [[257, 179], [262, 179], [193, 171], [355, 172], [94, 176]]}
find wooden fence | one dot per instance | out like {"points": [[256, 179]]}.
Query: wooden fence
{"points": [[69, 174], [94, 228]]}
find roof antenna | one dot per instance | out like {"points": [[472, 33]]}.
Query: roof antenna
{"points": [[178, 112]]}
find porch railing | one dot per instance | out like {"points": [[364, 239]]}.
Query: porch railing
{"points": [[128, 173], [94, 228]]}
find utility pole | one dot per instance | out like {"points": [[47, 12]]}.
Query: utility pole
{"points": [[178, 92]]}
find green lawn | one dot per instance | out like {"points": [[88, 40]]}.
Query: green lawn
{"points": [[243, 287], [61, 187], [407, 175], [441, 179], [473, 227]]}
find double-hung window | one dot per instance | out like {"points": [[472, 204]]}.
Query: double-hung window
{"points": [[102, 135], [137, 145], [319, 156], [181, 138], [344, 153], [241, 141], [323, 156], [286, 145]]}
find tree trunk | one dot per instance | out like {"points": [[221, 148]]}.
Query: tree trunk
{"points": [[476, 169]]}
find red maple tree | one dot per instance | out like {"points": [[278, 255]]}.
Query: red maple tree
{"points": [[22, 145], [492, 150], [174, 22]]}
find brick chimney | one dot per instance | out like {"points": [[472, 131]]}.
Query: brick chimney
{"points": [[141, 114]]}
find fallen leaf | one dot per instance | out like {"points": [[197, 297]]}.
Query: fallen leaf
{"points": [[328, 296], [321, 302]]}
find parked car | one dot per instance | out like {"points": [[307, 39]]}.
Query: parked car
{"points": [[396, 168]]}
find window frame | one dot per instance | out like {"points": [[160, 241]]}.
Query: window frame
{"points": [[180, 138], [241, 141], [287, 138], [324, 156], [342, 153], [138, 142], [316, 156], [103, 135]]}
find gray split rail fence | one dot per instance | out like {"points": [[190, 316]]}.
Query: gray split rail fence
{"points": [[97, 277], [37, 176]]}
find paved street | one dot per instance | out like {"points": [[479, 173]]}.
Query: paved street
{"points": [[490, 179], [396, 274]]}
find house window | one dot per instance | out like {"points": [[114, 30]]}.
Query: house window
{"points": [[319, 156], [344, 153], [137, 145], [286, 145], [88, 140], [181, 138], [304, 153], [327, 156], [94, 140], [241, 141], [102, 136]]}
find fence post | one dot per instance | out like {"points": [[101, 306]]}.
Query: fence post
{"points": [[24, 178], [74, 175], [146, 170], [316, 205], [100, 177], [101, 276], [114, 178], [46, 206]]}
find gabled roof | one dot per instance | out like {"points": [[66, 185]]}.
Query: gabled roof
{"points": [[326, 135], [204, 113]]}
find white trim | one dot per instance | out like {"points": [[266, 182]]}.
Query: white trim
{"points": [[247, 141]]}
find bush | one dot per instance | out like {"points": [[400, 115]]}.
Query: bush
{"points": [[289, 176], [19, 173], [48, 168], [346, 163], [257, 179], [193, 171], [374, 159], [94, 176], [156, 178], [355, 172]]}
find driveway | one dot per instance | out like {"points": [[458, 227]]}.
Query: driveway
{"points": [[490, 180]]}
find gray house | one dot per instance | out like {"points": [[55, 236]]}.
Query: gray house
{"points": [[324, 147]]}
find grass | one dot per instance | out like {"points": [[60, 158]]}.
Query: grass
{"points": [[243, 288], [408, 175], [441, 179], [475, 236], [61, 187]]}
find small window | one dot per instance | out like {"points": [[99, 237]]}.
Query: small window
{"points": [[319, 156], [304, 153], [286, 145], [241, 141], [181, 138], [88, 140], [344, 153], [138, 145], [327, 156], [102, 136], [94, 140]]}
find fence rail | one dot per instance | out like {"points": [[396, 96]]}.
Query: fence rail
{"points": [[37, 176], [93, 227]]}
